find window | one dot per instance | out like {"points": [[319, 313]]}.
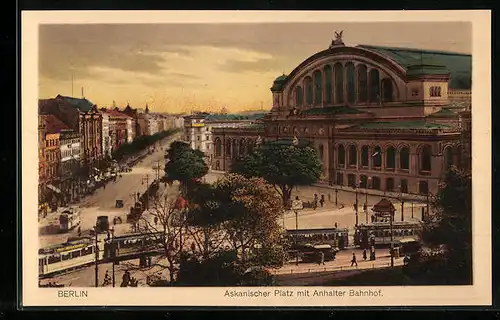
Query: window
{"points": [[404, 186], [299, 96], [376, 183], [340, 179], [404, 158], [198, 138], [328, 84], [423, 187], [351, 83], [374, 86], [364, 156], [363, 181], [414, 92], [309, 91], [353, 155], [448, 158], [389, 184], [318, 88], [387, 90], [339, 83], [362, 83], [377, 157], [351, 180], [207, 137], [435, 91], [391, 158], [341, 155], [425, 158]]}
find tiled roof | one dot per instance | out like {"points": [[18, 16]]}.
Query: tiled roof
{"points": [[234, 117], [458, 64], [418, 124], [115, 113], [53, 124], [83, 105]]}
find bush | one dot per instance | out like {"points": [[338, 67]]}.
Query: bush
{"points": [[141, 143]]}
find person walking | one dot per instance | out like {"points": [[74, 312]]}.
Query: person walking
{"points": [[107, 279], [322, 200], [353, 260], [322, 257], [364, 254], [315, 204], [336, 226]]}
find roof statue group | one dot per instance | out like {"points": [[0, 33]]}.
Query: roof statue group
{"points": [[338, 39]]}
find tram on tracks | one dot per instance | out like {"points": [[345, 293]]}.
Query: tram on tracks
{"points": [[379, 233], [336, 237], [80, 252], [68, 256]]}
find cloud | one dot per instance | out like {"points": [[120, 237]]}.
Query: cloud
{"points": [[261, 65]]}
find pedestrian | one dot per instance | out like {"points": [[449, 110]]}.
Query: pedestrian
{"points": [[315, 205], [107, 279], [406, 260], [364, 254], [353, 260], [336, 226], [79, 231], [322, 200], [104, 185], [322, 257]]}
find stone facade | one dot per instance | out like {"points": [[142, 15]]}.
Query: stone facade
{"points": [[378, 117]]}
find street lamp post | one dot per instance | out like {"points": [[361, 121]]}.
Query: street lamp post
{"points": [[392, 238], [356, 186], [402, 203], [96, 258], [296, 206], [112, 230], [336, 197], [147, 189], [366, 198]]}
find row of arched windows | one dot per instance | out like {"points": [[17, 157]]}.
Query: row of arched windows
{"points": [[375, 183], [350, 157], [234, 147], [343, 84]]}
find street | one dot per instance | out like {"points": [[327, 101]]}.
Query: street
{"points": [[102, 202]]}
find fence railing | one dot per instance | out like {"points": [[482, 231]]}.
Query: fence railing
{"points": [[362, 266]]}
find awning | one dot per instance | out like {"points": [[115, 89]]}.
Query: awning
{"points": [[51, 187]]}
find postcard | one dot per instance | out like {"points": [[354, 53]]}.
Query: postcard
{"points": [[256, 158]]}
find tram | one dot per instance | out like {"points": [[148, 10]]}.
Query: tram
{"points": [[336, 237], [379, 233], [133, 244], [69, 219], [68, 256]]}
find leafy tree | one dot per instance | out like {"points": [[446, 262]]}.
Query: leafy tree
{"points": [[450, 227], [284, 166], [184, 164], [244, 212]]}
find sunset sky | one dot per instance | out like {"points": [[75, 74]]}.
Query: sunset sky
{"points": [[181, 67]]}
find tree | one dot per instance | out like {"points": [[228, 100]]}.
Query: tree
{"points": [[450, 226], [165, 221], [282, 165], [243, 213], [184, 164]]}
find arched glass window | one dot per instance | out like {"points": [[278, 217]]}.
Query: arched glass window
{"points": [[328, 84], [318, 88], [374, 86], [351, 83], [339, 83], [362, 84], [364, 156], [376, 183], [387, 90], [341, 155], [242, 147], [391, 158], [228, 147], [403, 187], [353, 155], [299, 96], [309, 91], [425, 158], [218, 147], [321, 151], [377, 157], [448, 158], [404, 158]]}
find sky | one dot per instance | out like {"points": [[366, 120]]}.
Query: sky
{"points": [[184, 67]]}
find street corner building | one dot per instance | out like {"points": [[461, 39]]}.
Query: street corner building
{"points": [[384, 118]]}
